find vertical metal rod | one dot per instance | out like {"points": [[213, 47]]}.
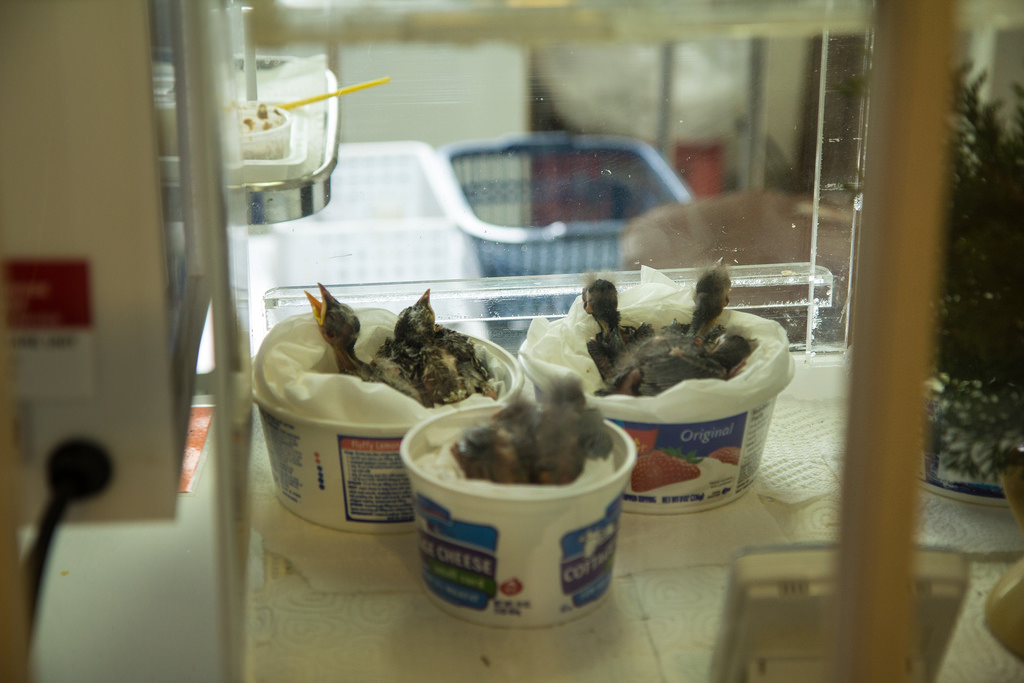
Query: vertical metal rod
{"points": [[812, 313], [757, 138], [207, 175], [251, 92], [333, 53], [664, 134], [904, 208]]}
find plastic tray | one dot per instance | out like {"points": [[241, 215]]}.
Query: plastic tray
{"points": [[384, 223]]}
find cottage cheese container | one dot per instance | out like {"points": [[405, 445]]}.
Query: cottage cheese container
{"points": [[513, 555]]}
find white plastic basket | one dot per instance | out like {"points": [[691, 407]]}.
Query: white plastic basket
{"points": [[383, 181], [385, 222]]}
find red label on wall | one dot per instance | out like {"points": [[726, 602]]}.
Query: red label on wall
{"points": [[47, 294]]}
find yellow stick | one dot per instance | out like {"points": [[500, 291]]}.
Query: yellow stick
{"points": [[336, 93]]}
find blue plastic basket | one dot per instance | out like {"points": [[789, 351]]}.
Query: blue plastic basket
{"points": [[551, 203]]}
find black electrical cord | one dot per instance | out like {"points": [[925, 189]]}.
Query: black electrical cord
{"points": [[76, 470]]}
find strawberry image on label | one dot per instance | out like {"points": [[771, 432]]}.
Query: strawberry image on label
{"points": [[660, 468], [730, 455]]}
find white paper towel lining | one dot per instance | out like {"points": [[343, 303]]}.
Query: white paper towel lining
{"points": [[558, 348], [295, 371]]}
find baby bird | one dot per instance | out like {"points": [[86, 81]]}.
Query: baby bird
{"points": [[700, 349], [601, 300], [487, 452], [502, 450], [401, 357], [470, 367], [711, 296], [660, 363], [547, 443], [567, 434], [339, 327], [442, 364], [672, 357], [423, 360], [731, 352]]}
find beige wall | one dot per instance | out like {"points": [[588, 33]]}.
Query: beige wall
{"points": [[437, 93]]}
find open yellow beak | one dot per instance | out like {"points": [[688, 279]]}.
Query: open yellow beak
{"points": [[318, 306]]}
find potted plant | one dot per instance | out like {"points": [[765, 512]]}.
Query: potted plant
{"points": [[979, 403], [978, 407]]}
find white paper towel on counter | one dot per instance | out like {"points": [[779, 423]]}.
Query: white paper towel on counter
{"points": [[803, 454], [967, 527], [559, 348], [295, 371], [800, 482]]}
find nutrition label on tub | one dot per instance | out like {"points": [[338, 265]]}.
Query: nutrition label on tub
{"points": [[288, 461], [758, 421], [376, 487]]}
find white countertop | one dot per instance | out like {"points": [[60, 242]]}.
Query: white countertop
{"points": [[329, 605], [137, 602]]}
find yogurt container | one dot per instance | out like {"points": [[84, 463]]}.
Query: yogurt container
{"points": [[333, 439], [513, 555], [946, 438], [945, 481], [691, 466], [699, 444], [937, 478]]}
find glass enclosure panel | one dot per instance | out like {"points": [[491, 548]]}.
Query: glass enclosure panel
{"points": [[733, 143], [520, 149]]}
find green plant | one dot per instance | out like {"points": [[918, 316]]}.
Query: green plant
{"points": [[979, 410]]}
